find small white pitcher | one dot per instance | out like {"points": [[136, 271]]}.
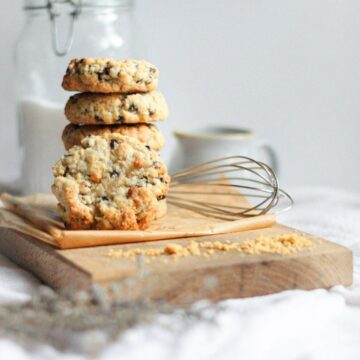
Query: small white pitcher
{"points": [[198, 146]]}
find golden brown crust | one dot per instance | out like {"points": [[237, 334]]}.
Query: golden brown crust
{"points": [[112, 183], [162, 209], [100, 109], [148, 134], [104, 75]]}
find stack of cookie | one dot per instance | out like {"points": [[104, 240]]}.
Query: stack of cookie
{"points": [[112, 176], [118, 95]]}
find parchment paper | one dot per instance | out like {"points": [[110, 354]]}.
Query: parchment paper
{"points": [[36, 215]]}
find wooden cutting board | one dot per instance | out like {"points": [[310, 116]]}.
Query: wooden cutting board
{"points": [[185, 280]]}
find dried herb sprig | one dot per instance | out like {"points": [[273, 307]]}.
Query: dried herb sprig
{"points": [[85, 321]]}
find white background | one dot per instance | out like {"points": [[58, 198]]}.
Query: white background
{"points": [[287, 69]]}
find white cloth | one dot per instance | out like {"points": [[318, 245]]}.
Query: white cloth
{"points": [[318, 324]]}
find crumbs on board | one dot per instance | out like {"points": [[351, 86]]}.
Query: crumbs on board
{"points": [[280, 244]]}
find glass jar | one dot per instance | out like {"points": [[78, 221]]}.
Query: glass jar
{"points": [[56, 31]]}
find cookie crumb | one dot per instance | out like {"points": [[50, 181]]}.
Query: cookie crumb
{"points": [[173, 249], [194, 248], [284, 244]]}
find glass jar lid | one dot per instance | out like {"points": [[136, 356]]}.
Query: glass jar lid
{"points": [[72, 8]]}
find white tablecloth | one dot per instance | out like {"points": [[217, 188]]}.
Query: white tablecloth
{"points": [[319, 324]]}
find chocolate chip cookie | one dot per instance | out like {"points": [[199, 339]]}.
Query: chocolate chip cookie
{"points": [[148, 134], [110, 183], [106, 75], [97, 109]]}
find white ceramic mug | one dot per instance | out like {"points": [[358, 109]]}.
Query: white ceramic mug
{"points": [[198, 146]]}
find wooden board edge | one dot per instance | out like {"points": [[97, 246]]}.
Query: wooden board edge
{"points": [[37, 258], [181, 288]]}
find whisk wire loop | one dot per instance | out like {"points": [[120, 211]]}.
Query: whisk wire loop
{"points": [[230, 187]]}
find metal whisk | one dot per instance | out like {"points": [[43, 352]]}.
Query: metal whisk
{"points": [[229, 188]]}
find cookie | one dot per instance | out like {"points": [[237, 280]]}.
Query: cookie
{"points": [[162, 209], [148, 134], [97, 109], [106, 75], [110, 183]]}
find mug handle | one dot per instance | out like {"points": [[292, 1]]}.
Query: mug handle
{"points": [[274, 164]]}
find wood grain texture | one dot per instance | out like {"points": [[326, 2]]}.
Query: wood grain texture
{"points": [[182, 281]]}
